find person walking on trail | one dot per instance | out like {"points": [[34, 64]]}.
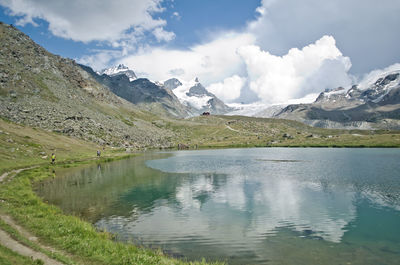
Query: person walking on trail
{"points": [[53, 158], [98, 153]]}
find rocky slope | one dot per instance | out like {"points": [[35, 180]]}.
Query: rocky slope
{"points": [[141, 92], [366, 106], [43, 90], [194, 95]]}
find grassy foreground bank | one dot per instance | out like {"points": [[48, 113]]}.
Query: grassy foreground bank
{"points": [[79, 239]]}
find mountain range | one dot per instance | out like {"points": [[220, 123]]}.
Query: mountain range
{"points": [[373, 105], [171, 97]]}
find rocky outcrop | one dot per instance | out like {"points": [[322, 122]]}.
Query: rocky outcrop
{"points": [[172, 83]]}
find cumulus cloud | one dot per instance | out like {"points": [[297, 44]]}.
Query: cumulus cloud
{"points": [[298, 73], [162, 35], [211, 62], [365, 30], [229, 89], [92, 20]]}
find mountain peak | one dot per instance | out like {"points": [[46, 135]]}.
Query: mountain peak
{"points": [[172, 83], [119, 69]]}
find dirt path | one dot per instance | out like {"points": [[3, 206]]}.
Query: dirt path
{"points": [[12, 244], [230, 128], [15, 172], [15, 246], [241, 132]]}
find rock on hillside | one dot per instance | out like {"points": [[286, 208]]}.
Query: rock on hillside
{"points": [[43, 90], [367, 106]]}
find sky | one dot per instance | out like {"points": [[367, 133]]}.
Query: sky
{"points": [[269, 51]]}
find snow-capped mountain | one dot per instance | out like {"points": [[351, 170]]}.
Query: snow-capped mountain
{"points": [[367, 92], [193, 94], [374, 103], [119, 70], [149, 95]]}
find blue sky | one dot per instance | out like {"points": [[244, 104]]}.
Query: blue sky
{"points": [[196, 18], [242, 50]]}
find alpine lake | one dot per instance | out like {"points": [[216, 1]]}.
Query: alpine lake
{"points": [[244, 206]]}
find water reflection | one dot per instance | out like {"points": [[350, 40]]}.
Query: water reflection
{"points": [[247, 206]]}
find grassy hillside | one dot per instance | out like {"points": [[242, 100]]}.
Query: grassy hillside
{"points": [[21, 146], [239, 131]]}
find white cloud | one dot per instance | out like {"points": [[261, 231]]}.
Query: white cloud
{"points": [[210, 62], [229, 89], [298, 73], [364, 29], [99, 59], [92, 20], [162, 35], [176, 15]]}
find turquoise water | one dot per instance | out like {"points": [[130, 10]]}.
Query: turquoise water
{"points": [[246, 206]]}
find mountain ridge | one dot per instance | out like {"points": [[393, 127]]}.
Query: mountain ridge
{"points": [[374, 106]]}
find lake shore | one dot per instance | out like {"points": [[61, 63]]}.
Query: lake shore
{"points": [[78, 242]]}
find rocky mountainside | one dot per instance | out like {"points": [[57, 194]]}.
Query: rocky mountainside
{"points": [[43, 90], [142, 92], [372, 105], [194, 95]]}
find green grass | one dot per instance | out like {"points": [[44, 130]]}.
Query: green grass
{"points": [[22, 146], [239, 131]]}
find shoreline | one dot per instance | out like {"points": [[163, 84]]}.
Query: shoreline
{"points": [[49, 223]]}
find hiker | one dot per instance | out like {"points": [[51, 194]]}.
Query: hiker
{"points": [[53, 158], [98, 153]]}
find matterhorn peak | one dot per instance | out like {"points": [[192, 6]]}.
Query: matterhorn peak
{"points": [[120, 69]]}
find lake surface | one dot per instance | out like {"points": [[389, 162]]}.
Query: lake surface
{"points": [[245, 206]]}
